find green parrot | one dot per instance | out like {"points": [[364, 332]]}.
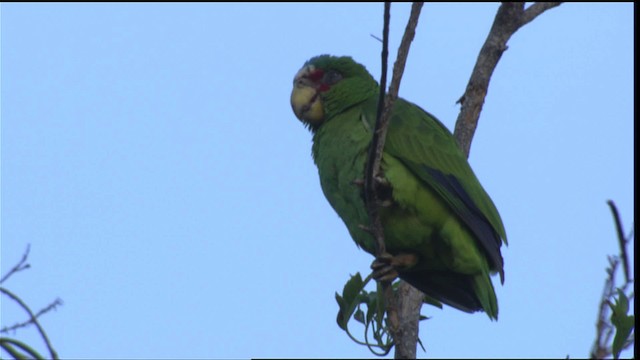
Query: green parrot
{"points": [[441, 228]]}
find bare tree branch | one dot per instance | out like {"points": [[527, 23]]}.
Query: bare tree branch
{"points": [[409, 305], [21, 265], [405, 347], [536, 9], [371, 171], [34, 319], [604, 331], [510, 18], [621, 240], [57, 302]]}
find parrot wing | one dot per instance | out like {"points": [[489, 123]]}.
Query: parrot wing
{"points": [[427, 148]]}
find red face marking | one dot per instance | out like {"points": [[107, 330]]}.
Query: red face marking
{"points": [[316, 76]]}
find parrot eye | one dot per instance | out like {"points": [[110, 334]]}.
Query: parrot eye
{"points": [[331, 77]]}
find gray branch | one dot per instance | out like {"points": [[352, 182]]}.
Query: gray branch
{"points": [[510, 18], [405, 345], [34, 320]]}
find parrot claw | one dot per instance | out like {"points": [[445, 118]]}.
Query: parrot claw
{"points": [[382, 268], [385, 267], [382, 181], [384, 191], [379, 179], [385, 274]]}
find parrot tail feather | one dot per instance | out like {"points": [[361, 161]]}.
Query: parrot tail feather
{"points": [[468, 293]]}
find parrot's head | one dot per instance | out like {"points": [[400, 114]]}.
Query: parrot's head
{"points": [[327, 85]]}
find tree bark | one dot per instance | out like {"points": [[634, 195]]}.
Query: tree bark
{"points": [[510, 18]]}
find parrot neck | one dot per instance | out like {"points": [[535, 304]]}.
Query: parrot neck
{"points": [[347, 136], [346, 94]]}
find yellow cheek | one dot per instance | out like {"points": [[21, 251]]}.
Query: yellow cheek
{"points": [[305, 106], [315, 115]]}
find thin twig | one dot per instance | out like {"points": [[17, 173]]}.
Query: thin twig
{"points": [[375, 37], [384, 112], [21, 265], [375, 149], [510, 18], [536, 9], [621, 240], [371, 172], [385, 104], [57, 302], [604, 331], [15, 298]]}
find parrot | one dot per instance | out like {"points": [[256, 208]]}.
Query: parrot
{"points": [[442, 231]]}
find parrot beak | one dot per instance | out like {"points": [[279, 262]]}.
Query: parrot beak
{"points": [[305, 98]]}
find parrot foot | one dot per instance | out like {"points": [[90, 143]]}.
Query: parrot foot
{"points": [[385, 267]]}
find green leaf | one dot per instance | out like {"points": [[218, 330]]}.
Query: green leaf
{"points": [[352, 288], [623, 323], [421, 345], [372, 305], [340, 319], [18, 349], [349, 300], [431, 301]]}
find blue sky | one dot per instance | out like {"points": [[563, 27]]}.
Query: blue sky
{"points": [[151, 159]]}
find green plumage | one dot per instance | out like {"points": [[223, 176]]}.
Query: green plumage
{"points": [[435, 206]]}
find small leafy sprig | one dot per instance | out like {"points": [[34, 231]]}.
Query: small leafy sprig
{"points": [[368, 308], [613, 314]]}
